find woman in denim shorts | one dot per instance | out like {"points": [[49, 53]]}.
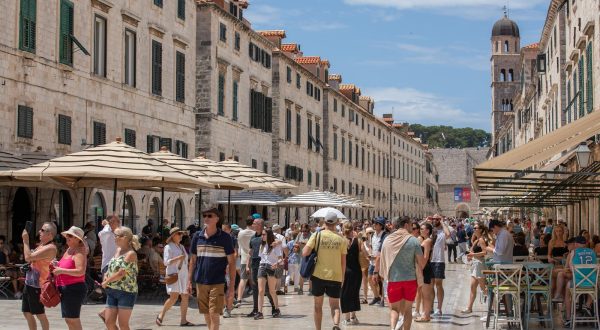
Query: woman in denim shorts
{"points": [[271, 258], [120, 280]]}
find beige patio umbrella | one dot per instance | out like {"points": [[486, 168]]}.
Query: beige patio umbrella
{"points": [[198, 169], [114, 165]]}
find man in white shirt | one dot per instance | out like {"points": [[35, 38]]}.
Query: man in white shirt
{"points": [[109, 246], [376, 242], [279, 271], [244, 237], [438, 264]]}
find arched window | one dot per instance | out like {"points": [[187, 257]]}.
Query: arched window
{"points": [[497, 46], [502, 75], [510, 75], [128, 213], [97, 209], [178, 214], [506, 47], [65, 211], [510, 106]]}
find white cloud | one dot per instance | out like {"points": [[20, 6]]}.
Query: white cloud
{"points": [[264, 14], [474, 9], [322, 26], [414, 106]]}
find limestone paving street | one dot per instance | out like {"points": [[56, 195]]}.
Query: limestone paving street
{"points": [[296, 313]]}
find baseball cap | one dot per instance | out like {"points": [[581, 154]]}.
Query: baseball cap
{"points": [[235, 227], [276, 227], [579, 240], [214, 211], [256, 216], [380, 220], [331, 217]]}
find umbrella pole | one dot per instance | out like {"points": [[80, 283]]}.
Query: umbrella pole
{"points": [[229, 206], [115, 197], [124, 195], [83, 208], [162, 210], [35, 210], [199, 205]]}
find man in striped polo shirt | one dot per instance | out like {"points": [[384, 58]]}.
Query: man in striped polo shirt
{"points": [[211, 252]]}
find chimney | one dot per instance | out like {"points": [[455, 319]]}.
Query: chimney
{"points": [[334, 81], [274, 36]]}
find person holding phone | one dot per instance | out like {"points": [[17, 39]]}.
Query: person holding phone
{"points": [[39, 260]]}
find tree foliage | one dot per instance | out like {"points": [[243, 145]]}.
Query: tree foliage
{"points": [[450, 137]]}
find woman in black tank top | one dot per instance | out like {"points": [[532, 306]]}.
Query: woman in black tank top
{"points": [[481, 239], [426, 289]]}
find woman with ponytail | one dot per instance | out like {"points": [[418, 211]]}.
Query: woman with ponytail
{"points": [[120, 280]]}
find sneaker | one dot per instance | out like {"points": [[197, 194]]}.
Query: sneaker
{"points": [[259, 316], [347, 322], [252, 314], [416, 314], [437, 313], [276, 312], [237, 304], [226, 313], [567, 324], [375, 301], [354, 320], [300, 292], [400, 323]]}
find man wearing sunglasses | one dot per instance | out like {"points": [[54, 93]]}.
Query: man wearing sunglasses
{"points": [[211, 253]]}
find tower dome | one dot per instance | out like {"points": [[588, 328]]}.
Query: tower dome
{"points": [[505, 27]]}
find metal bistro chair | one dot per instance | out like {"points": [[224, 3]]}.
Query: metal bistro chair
{"points": [[508, 283], [584, 282], [538, 278], [5, 281]]}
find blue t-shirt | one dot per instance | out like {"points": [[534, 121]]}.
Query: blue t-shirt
{"points": [[584, 256], [212, 255]]}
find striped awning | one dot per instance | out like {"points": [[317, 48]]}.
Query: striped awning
{"points": [[254, 197], [111, 164], [217, 179], [317, 198], [9, 162]]}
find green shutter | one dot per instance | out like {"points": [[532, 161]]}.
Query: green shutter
{"points": [[66, 31], [581, 89], [24, 122], [181, 9], [288, 125], [589, 86], [180, 77], [64, 129], [298, 129], [130, 137], [149, 144], [99, 133], [268, 115], [156, 67], [221, 100], [27, 26], [234, 102]]}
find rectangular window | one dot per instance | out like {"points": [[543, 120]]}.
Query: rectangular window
{"points": [[156, 67], [261, 111], [343, 111], [66, 32], [130, 50], [181, 148], [254, 163], [223, 32], [158, 3], [298, 83], [221, 104], [130, 137], [100, 46], [25, 122], [298, 129], [149, 144], [288, 124], [335, 156], [318, 137], [27, 25], [343, 149], [236, 42], [334, 105], [589, 86], [581, 88], [181, 9], [265, 167], [234, 101], [310, 137], [166, 142], [288, 75], [335, 185], [221, 156], [349, 152], [64, 129], [99, 133], [179, 77]]}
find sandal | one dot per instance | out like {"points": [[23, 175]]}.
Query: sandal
{"points": [[187, 324], [422, 320], [466, 311], [158, 321]]}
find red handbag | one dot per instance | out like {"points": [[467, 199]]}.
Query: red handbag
{"points": [[49, 295]]}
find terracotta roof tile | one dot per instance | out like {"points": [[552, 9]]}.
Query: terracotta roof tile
{"points": [[308, 60], [290, 48], [366, 98], [532, 46], [272, 33], [325, 62], [335, 77], [347, 87]]}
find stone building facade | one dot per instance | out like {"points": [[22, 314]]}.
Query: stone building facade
{"points": [[455, 168], [81, 73]]}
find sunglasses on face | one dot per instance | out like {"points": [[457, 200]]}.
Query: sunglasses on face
{"points": [[44, 230]]}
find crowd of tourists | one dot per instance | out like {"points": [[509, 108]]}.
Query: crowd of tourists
{"points": [[400, 262]]}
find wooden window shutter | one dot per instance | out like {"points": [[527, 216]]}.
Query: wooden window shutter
{"points": [[181, 9], [66, 31], [581, 88], [130, 137], [234, 101], [590, 87], [149, 144], [268, 115], [64, 129], [221, 100], [156, 67], [288, 125], [99, 133], [27, 28], [24, 122], [298, 129], [179, 77]]}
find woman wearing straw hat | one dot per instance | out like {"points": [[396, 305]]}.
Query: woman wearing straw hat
{"points": [[70, 277], [120, 280], [176, 260]]}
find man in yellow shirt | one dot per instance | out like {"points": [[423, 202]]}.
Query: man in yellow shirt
{"points": [[329, 270]]}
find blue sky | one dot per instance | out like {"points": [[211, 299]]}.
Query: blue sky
{"points": [[428, 60]]}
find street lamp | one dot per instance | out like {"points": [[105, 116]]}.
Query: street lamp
{"points": [[583, 154]]}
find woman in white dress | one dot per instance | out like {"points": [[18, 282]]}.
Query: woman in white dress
{"points": [[176, 261]]}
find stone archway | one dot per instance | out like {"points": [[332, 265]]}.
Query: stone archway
{"points": [[21, 213], [462, 210]]}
